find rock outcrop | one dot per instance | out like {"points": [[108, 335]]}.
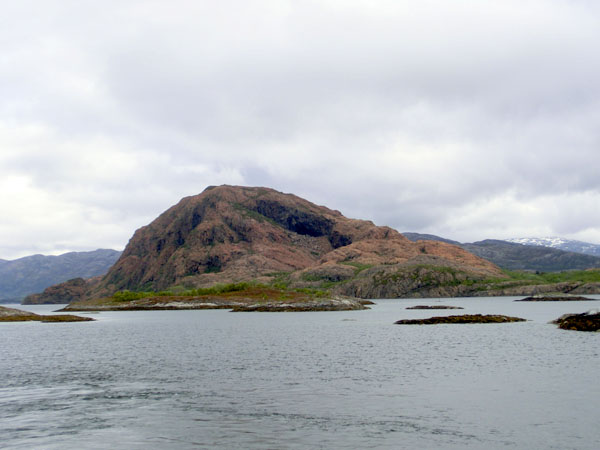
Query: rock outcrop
{"points": [[17, 315], [556, 298], [467, 318], [588, 321], [434, 307]]}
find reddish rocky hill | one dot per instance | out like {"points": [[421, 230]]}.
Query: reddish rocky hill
{"points": [[230, 234]]}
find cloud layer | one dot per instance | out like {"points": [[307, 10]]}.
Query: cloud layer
{"points": [[466, 119]]}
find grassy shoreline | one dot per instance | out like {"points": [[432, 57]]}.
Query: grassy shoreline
{"points": [[235, 296], [280, 292]]}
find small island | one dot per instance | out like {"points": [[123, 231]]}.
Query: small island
{"points": [[434, 307], [17, 315], [556, 298], [587, 321], [466, 318], [238, 297]]}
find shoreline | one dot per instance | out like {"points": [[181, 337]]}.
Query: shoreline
{"points": [[252, 300]]}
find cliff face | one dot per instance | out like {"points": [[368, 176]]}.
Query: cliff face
{"points": [[230, 233]]}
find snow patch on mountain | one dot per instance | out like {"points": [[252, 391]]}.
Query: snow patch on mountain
{"points": [[569, 245]]}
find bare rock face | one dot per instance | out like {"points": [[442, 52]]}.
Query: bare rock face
{"points": [[231, 234], [224, 234]]}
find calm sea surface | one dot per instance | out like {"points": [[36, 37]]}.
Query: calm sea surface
{"points": [[352, 380]]}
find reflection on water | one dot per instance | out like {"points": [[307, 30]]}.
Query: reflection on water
{"points": [[206, 379]]}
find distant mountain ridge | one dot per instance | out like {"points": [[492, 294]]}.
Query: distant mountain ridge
{"points": [[517, 256], [514, 256], [428, 237], [30, 274], [569, 245]]}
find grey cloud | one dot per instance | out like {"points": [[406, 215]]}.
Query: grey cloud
{"points": [[409, 114]]}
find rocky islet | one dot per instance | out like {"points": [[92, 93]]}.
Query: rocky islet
{"points": [[434, 307], [587, 321], [556, 298], [461, 319], [17, 315]]}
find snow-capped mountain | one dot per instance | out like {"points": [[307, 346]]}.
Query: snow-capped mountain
{"points": [[569, 245]]}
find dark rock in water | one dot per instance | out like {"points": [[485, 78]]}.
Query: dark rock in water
{"points": [[434, 307], [467, 318], [556, 298], [588, 321], [17, 315]]}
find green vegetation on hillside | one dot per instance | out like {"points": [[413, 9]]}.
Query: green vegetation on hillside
{"points": [[428, 275], [526, 278], [244, 288], [424, 275], [584, 276], [218, 289], [358, 267]]}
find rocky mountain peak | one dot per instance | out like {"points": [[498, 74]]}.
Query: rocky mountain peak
{"points": [[234, 233]]}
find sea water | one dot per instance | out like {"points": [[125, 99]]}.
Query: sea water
{"points": [[322, 380]]}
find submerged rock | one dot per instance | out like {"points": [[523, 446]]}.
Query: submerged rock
{"points": [[588, 321], [434, 307], [466, 318], [17, 315]]}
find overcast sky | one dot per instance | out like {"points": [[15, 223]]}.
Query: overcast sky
{"points": [[469, 119]]}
